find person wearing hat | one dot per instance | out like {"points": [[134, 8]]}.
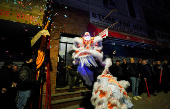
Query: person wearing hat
{"points": [[7, 86]]}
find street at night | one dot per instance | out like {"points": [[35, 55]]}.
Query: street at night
{"points": [[85, 54]]}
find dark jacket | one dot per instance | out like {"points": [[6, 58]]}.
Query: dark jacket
{"points": [[157, 70], [152, 70], [132, 70], [117, 71], [15, 78], [6, 77], [145, 72], [25, 87], [61, 68], [124, 69]]}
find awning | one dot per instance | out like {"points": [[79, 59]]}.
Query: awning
{"points": [[126, 39]]}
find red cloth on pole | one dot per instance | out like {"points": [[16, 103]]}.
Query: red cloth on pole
{"points": [[147, 88], [160, 77]]}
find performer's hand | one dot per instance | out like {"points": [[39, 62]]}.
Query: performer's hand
{"points": [[139, 75]]}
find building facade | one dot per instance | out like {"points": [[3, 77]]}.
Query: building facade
{"points": [[131, 35], [157, 16]]}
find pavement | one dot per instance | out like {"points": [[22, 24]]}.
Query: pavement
{"points": [[161, 101]]}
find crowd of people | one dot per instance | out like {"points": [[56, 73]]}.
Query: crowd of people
{"points": [[143, 76], [17, 85], [16, 89]]}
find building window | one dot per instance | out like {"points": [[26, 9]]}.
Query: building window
{"points": [[109, 4], [131, 8]]}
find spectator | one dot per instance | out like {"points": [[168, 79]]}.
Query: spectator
{"points": [[153, 78], [26, 84], [139, 63], [146, 75], [134, 76], [74, 73], [61, 73], [168, 75], [15, 73], [118, 70], [157, 69], [8, 87], [124, 70], [124, 66], [165, 76]]}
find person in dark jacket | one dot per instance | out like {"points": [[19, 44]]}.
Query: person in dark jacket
{"points": [[139, 63], [134, 76], [165, 76], [152, 78], [124, 70], [8, 87], [118, 71], [15, 73], [25, 91], [157, 68], [146, 77], [61, 74]]}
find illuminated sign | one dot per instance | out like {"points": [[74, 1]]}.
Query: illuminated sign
{"points": [[122, 25], [29, 12]]}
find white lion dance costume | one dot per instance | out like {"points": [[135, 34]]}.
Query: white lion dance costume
{"points": [[108, 93]]}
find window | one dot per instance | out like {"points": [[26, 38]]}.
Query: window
{"points": [[131, 8], [109, 4]]}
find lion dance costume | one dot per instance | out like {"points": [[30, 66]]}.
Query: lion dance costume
{"points": [[108, 93]]}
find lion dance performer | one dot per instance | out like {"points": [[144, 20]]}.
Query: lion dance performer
{"points": [[108, 93]]}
